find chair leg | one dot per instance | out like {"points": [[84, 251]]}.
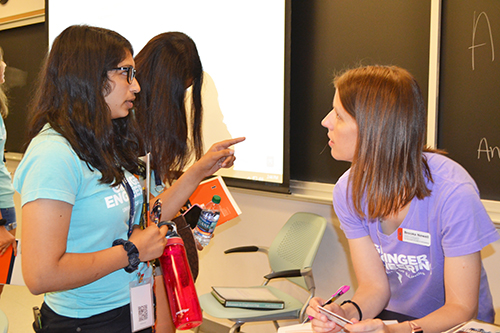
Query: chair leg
{"points": [[236, 327], [276, 324]]}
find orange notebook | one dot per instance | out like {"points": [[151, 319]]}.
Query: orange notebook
{"points": [[7, 266], [207, 189]]}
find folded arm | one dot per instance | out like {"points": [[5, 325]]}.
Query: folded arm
{"points": [[48, 267]]}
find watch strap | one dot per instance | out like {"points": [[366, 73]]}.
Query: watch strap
{"points": [[415, 328]]}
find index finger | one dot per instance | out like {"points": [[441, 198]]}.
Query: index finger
{"points": [[231, 142], [163, 230]]}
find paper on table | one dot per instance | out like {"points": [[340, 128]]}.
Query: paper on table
{"points": [[300, 328], [307, 328]]}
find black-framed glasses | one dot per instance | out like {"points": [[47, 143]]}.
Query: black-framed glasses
{"points": [[130, 72]]}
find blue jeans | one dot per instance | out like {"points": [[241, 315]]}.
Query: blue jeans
{"points": [[10, 215]]}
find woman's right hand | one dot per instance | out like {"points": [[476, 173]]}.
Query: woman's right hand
{"points": [[320, 323], [150, 242]]}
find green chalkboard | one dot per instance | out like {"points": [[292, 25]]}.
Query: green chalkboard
{"points": [[24, 51], [469, 94], [329, 36]]}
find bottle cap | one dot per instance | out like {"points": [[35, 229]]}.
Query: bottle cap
{"points": [[216, 199]]}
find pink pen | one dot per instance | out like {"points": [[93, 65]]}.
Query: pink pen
{"points": [[342, 290]]}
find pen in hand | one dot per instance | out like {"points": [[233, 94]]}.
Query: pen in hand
{"points": [[341, 291]]}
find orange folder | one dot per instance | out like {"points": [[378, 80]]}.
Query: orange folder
{"points": [[7, 266], [207, 189]]}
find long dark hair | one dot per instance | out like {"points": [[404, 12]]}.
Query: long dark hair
{"points": [[388, 169], [165, 67], [71, 98]]}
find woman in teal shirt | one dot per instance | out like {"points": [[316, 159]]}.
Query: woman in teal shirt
{"points": [[8, 222], [82, 246]]}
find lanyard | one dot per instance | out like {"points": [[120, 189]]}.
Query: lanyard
{"points": [[130, 194]]}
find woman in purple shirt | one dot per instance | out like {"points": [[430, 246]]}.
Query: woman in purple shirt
{"points": [[413, 217]]}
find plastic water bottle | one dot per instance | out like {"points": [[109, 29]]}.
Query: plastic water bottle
{"points": [[207, 221], [181, 293]]}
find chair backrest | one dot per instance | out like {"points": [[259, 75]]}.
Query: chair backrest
{"points": [[4, 323], [297, 243]]}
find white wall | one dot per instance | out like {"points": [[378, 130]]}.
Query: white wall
{"points": [[17, 13]]}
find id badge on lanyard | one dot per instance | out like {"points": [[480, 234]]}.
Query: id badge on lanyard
{"points": [[142, 313], [141, 289]]}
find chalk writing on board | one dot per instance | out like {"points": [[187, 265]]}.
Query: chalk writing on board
{"points": [[489, 151], [475, 22]]}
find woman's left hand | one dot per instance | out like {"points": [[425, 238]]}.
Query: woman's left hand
{"points": [[6, 240], [150, 242]]}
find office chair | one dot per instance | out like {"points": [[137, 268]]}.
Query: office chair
{"points": [[4, 322], [290, 256]]}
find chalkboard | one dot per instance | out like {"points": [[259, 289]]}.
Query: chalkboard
{"points": [[24, 50], [329, 36], [469, 98]]}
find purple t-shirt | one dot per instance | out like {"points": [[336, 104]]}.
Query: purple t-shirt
{"points": [[452, 219]]}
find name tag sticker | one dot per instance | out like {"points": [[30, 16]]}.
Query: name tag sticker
{"points": [[414, 237]]}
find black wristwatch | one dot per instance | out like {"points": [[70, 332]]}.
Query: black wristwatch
{"points": [[3, 222], [132, 253]]}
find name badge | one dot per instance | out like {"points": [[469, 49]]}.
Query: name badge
{"points": [[414, 237], [141, 304]]}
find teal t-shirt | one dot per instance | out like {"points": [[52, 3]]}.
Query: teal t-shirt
{"points": [[6, 189], [50, 169]]}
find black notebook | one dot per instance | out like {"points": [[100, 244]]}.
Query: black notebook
{"points": [[250, 298]]}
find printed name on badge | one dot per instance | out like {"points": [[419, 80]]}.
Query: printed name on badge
{"points": [[414, 237]]}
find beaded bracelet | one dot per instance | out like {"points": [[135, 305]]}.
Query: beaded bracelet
{"points": [[356, 306]]}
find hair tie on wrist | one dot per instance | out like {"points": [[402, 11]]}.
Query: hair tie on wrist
{"points": [[356, 306], [132, 254]]}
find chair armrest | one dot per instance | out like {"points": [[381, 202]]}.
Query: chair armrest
{"points": [[311, 286], [251, 248], [283, 274], [308, 277]]}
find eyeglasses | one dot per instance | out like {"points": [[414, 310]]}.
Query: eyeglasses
{"points": [[130, 72]]}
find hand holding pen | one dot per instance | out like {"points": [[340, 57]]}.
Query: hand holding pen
{"points": [[341, 291]]}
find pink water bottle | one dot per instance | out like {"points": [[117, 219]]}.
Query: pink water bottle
{"points": [[181, 292]]}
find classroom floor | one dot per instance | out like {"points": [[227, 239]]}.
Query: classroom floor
{"points": [[17, 303]]}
